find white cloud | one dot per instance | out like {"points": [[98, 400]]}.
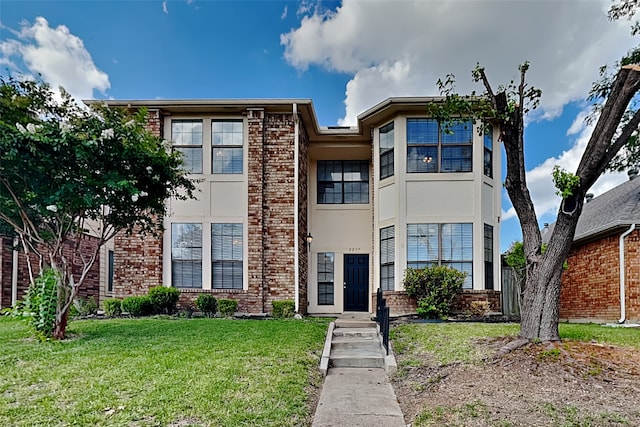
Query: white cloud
{"points": [[164, 7], [284, 12], [57, 55], [565, 41]]}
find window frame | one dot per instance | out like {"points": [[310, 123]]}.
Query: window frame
{"points": [[179, 146], [488, 151], [429, 146], [218, 149], [386, 150], [326, 285], [232, 232], [435, 247], [110, 269], [387, 259], [193, 261], [489, 280], [341, 183]]}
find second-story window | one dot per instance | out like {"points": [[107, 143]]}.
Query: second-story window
{"points": [[488, 151], [434, 147], [386, 151], [226, 140], [343, 181], [187, 138]]}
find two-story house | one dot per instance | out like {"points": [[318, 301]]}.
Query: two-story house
{"points": [[324, 216]]}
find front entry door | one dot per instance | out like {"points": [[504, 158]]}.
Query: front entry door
{"points": [[356, 282]]}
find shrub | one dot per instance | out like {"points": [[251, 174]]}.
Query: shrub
{"points": [[137, 305], [40, 304], [208, 304], [284, 308], [164, 300], [112, 307], [434, 288], [227, 307], [85, 307]]}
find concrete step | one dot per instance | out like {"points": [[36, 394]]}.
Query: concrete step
{"points": [[348, 323], [355, 332], [356, 361], [360, 342]]}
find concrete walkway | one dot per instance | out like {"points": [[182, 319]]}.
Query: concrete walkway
{"points": [[356, 391], [358, 397]]}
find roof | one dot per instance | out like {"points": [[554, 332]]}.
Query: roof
{"points": [[361, 133], [617, 208], [614, 210]]}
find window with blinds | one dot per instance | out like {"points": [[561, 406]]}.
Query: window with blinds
{"points": [[434, 146], [325, 278], [186, 255], [488, 256], [187, 139], [387, 258], [441, 244], [226, 256]]}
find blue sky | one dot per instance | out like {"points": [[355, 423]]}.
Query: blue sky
{"points": [[344, 55]]}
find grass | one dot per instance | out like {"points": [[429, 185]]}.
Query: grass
{"points": [[453, 342], [161, 372]]}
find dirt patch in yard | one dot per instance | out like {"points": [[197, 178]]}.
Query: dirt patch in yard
{"points": [[569, 384]]}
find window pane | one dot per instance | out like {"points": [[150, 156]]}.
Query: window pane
{"points": [[186, 255], [456, 158], [422, 159], [488, 137], [227, 160], [488, 256], [325, 278], [387, 258], [465, 267], [457, 242], [422, 131], [386, 164], [227, 132], [343, 181], [422, 242], [457, 132], [227, 256]]}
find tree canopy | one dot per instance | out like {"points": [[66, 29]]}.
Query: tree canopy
{"points": [[68, 170]]}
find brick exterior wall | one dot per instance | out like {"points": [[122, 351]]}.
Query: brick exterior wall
{"points": [[400, 304], [91, 286], [591, 285], [270, 223]]}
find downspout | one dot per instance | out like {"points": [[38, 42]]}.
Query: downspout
{"points": [[14, 274], [296, 220], [623, 307]]}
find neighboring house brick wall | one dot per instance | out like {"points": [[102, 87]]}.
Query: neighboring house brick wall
{"points": [[303, 226], [591, 285], [90, 287]]}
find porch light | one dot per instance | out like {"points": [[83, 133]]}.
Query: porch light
{"points": [[309, 240]]}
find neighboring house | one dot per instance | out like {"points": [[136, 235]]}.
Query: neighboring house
{"points": [[604, 259], [14, 273], [323, 216]]}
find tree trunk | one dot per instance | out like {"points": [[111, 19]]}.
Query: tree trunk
{"points": [[60, 327]]}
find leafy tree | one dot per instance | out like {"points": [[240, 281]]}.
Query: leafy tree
{"points": [[67, 171], [613, 144]]}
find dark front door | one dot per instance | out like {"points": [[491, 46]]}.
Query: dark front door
{"points": [[356, 282]]}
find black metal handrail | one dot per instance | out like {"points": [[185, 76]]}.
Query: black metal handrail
{"points": [[382, 317]]}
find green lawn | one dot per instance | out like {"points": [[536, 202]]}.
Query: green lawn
{"points": [[453, 342], [161, 372]]}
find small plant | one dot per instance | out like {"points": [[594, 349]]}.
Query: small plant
{"points": [[40, 302], [137, 306], [85, 307], [164, 300], [435, 288], [551, 354], [480, 308], [227, 307], [565, 182], [284, 308], [208, 304], [112, 307]]}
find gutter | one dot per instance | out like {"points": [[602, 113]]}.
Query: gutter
{"points": [[623, 306], [296, 213]]}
